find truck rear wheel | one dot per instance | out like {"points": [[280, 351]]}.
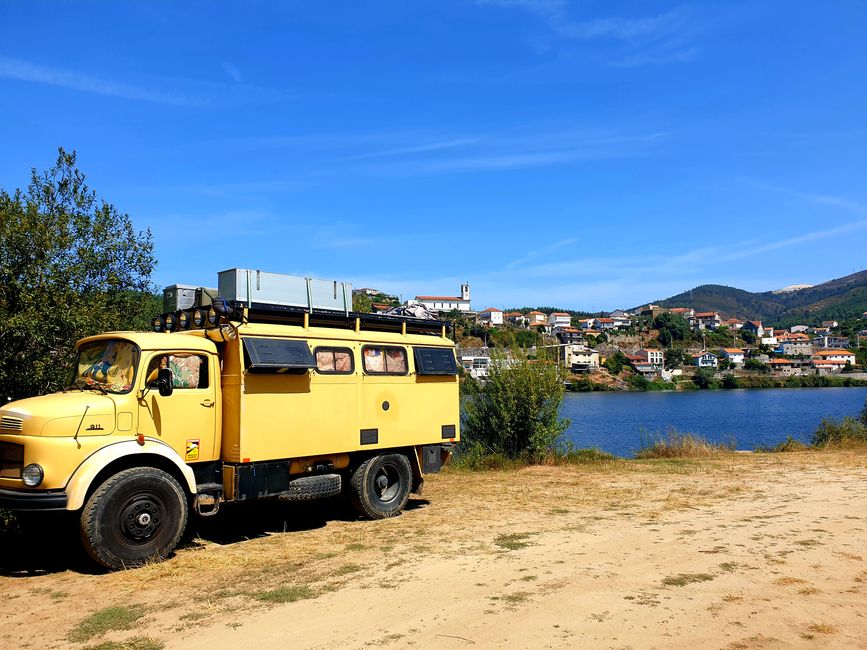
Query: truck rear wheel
{"points": [[137, 515], [380, 487]]}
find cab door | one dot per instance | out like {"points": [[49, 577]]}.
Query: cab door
{"points": [[186, 420]]}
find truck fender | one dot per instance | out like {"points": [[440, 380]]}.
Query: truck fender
{"points": [[81, 480]]}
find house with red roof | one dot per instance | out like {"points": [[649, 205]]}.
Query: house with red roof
{"points": [[491, 316], [446, 303]]}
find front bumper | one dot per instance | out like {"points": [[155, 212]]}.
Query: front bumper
{"points": [[32, 500]]}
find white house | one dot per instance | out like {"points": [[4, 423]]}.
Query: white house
{"points": [[733, 355], [516, 318], [559, 319], [830, 324], [446, 303], [607, 324], [656, 358], [707, 320], [840, 356], [579, 358], [686, 312], [476, 361], [799, 329], [705, 360], [537, 318], [828, 341], [491, 316]]}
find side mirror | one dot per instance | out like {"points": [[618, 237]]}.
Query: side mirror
{"points": [[164, 382]]}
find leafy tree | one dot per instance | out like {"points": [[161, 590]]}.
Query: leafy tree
{"points": [[362, 303], [703, 378], [758, 366], [71, 265], [676, 358], [515, 412], [729, 381], [638, 382], [616, 362], [672, 327]]}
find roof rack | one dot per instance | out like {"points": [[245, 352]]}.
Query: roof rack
{"points": [[256, 312], [291, 315]]}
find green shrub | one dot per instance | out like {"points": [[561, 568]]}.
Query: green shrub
{"points": [[515, 412], [864, 414], [833, 432], [789, 444], [729, 381], [637, 382]]}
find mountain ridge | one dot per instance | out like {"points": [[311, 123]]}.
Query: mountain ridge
{"points": [[836, 299]]}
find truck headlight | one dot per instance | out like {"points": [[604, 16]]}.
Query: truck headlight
{"points": [[32, 475]]}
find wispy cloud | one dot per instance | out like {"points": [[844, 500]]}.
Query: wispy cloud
{"points": [[503, 152], [541, 252], [416, 149], [814, 197], [233, 72], [662, 38], [25, 71], [185, 92]]}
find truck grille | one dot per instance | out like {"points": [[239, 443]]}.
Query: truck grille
{"points": [[8, 423], [11, 460]]}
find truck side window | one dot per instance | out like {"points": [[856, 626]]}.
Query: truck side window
{"points": [[382, 360], [334, 361], [188, 370]]}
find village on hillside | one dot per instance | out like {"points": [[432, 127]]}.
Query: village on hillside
{"points": [[633, 349]]}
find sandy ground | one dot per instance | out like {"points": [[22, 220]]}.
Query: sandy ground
{"points": [[739, 551]]}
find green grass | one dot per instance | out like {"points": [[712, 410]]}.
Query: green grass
{"points": [[789, 444], [346, 569], [106, 620], [135, 643], [683, 579], [512, 541], [287, 594]]}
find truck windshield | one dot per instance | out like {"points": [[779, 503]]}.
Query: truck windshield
{"points": [[107, 365]]}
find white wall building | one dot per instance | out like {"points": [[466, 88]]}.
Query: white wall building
{"points": [[491, 316], [446, 303]]}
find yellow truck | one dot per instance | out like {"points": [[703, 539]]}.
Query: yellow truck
{"points": [[231, 401]]}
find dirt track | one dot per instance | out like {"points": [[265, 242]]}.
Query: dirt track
{"points": [[742, 551]]}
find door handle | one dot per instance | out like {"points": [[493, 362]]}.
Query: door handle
{"points": [[208, 403]]}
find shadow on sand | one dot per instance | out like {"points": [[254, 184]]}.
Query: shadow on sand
{"points": [[49, 543]]}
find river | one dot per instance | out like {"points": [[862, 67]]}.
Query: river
{"points": [[620, 422]]}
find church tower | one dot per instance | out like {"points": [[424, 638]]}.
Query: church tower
{"points": [[465, 291]]}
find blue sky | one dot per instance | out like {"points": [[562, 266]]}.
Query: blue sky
{"points": [[590, 155]]}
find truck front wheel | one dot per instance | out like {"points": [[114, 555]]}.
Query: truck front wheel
{"points": [[380, 487], [137, 515]]}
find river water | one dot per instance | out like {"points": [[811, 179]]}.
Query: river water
{"points": [[621, 423]]}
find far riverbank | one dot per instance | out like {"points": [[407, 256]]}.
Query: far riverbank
{"points": [[725, 381], [622, 422]]}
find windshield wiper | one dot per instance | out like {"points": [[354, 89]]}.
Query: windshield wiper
{"points": [[83, 385]]}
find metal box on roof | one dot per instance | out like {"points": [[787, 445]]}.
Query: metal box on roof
{"points": [[179, 296], [253, 286]]}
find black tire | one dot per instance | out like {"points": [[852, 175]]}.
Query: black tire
{"points": [[137, 515], [308, 488], [380, 487]]}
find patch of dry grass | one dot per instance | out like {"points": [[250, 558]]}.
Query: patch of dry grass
{"points": [[682, 445]]}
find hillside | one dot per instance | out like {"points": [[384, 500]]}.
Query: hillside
{"points": [[836, 299]]}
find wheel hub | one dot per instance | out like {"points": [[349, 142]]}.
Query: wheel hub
{"points": [[140, 519]]}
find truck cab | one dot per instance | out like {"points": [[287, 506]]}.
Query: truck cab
{"points": [[253, 403]]}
